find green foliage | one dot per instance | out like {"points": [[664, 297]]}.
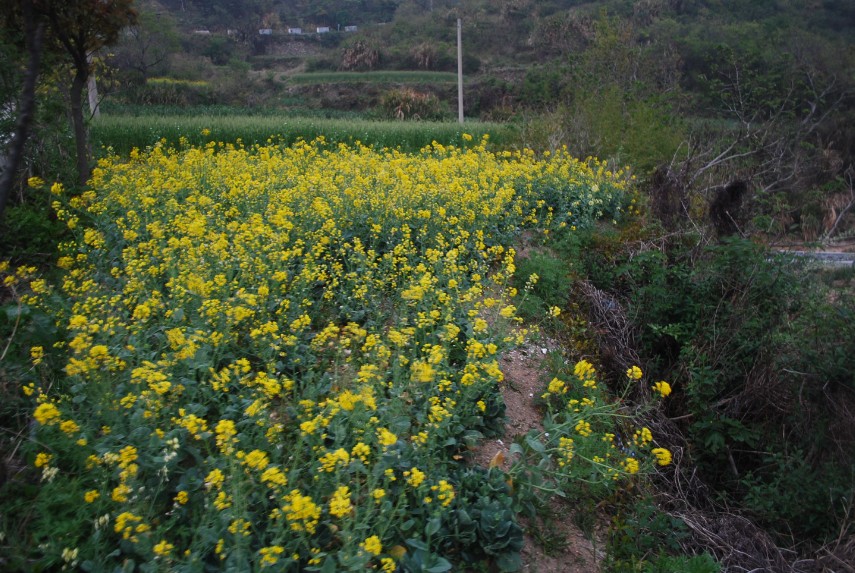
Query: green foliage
{"points": [[172, 92], [545, 281], [788, 489], [219, 50], [484, 523], [644, 538], [758, 355], [543, 86], [30, 232]]}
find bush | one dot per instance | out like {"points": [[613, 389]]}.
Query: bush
{"points": [[407, 103], [760, 358]]}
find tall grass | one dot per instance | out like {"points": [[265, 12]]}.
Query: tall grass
{"points": [[123, 133]]}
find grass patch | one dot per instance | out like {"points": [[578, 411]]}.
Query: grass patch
{"points": [[381, 77]]}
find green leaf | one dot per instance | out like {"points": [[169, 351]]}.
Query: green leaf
{"points": [[14, 311], [433, 526], [535, 444], [463, 517], [441, 566], [509, 562], [329, 565], [417, 544]]}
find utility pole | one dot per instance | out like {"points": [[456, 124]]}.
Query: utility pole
{"points": [[459, 74]]}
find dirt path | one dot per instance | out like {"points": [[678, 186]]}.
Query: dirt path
{"points": [[556, 544]]}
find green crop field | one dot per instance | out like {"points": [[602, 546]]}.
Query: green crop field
{"points": [[123, 133]]}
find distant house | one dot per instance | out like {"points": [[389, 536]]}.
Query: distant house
{"points": [[350, 28], [265, 32], [202, 32], [231, 32], [323, 29], [295, 31]]}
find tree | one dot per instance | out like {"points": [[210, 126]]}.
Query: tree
{"points": [[34, 30], [82, 28], [146, 45]]}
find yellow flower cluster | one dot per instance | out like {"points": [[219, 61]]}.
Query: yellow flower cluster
{"points": [[301, 512], [340, 503], [581, 435], [663, 388], [317, 318]]}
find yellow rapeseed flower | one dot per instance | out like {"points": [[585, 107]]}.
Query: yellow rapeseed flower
{"points": [[385, 437], [634, 373], [163, 548], [46, 414], [663, 388], [340, 502], [630, 465], [270, 555], [414, 476], [663, 456], [372, 545]]}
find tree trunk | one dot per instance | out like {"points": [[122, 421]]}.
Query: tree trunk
{"points": [[34, 40], [81, 140], [92, 90]]}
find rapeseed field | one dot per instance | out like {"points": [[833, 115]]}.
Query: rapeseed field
{"points": [[278, 356]]}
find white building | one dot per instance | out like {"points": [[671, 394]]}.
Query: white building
{"points": [[323, 29]]}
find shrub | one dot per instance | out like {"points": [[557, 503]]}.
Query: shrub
{"points": [[758, 353], [545, 280], [408, 103]]}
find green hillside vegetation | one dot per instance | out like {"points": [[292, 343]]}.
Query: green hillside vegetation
{"points": [[735, 122], [381, 77]]}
